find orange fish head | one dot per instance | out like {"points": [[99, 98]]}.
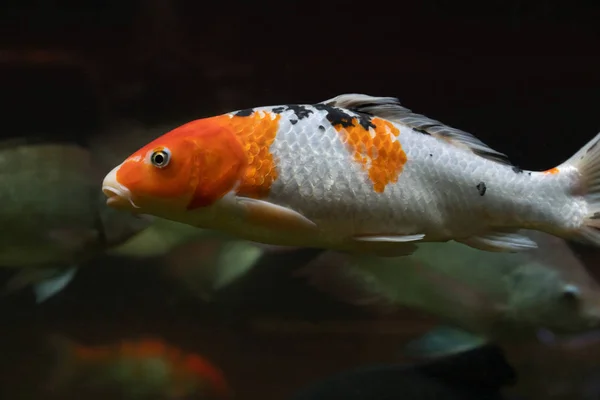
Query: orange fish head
{"points": [[190, 167]]}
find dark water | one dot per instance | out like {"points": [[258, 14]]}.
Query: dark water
{"points": [[523, 76]]}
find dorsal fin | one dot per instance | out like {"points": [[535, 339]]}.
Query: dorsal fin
{"points": [[390, 109]]}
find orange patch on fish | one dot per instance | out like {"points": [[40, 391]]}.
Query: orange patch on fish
{"points": [[220, 162], [375, 150], [552, 171], [256, 134]]}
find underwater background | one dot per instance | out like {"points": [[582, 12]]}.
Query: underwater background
{"points": [[523, 76]]}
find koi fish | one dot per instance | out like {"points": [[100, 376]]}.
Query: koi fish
{"points": [[136, 369], [354, 173]]}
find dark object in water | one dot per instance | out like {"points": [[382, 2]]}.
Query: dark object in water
{"points": [[478, 374]]}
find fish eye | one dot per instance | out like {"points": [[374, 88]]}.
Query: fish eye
{"points": [[571, 292], [160, 158]]}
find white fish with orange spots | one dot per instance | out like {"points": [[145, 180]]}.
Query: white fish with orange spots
{"points": [[354, 173]]}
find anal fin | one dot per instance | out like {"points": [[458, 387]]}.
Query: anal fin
{"points": [[501, 241]]}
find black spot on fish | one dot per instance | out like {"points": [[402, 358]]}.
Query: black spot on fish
{"points": [[244, 113], [321, 127], [299, 111], [293, 121], [338, 116], [529, 173], [482, 188], [430, 155], [517, 170], [365, 122]]}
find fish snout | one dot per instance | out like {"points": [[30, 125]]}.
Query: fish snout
{"points": [[118, 196]]}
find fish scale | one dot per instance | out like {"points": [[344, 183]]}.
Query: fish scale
{"points": [[322, 166], [327, 155]]}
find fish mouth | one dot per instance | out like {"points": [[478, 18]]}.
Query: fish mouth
{"points": [[118, 196]]}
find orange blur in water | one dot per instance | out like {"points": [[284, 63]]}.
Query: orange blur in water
{"points": [[185, 369]]}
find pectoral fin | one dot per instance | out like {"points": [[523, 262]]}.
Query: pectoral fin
{"points": [[278, 218]]}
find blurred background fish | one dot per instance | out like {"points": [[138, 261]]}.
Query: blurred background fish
{"points": [[484, 296], [141, 369], [201, 261], [57, 218]]}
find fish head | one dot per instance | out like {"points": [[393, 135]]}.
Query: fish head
{"points": [[551, 288], [542, 297], [189, 168], [579, 308]]}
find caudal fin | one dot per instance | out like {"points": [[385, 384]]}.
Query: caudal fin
{"points": [[587, 162]]}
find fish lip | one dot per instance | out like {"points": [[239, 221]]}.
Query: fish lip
{"points": [[113, 195], [118, 196]]}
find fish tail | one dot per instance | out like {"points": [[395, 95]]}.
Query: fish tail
{"points": [[587, 162]]}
